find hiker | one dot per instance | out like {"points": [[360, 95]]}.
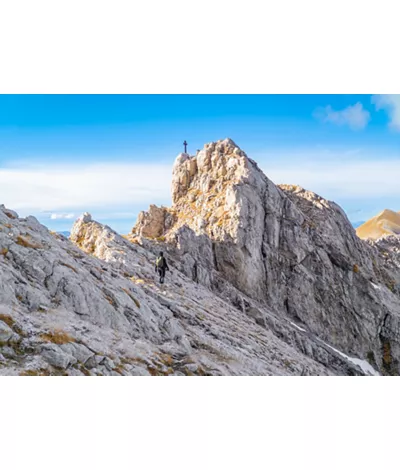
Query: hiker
{"points": [[161, 266]]}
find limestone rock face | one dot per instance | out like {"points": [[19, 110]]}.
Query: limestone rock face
{"points": [[152, 223], [264, 280], [92, 306], [284, 247]]}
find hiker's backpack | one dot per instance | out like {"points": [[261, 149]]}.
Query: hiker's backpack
{"points": [[160, 262]]}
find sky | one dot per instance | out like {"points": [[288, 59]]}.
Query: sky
{"points": [[112, 155]]}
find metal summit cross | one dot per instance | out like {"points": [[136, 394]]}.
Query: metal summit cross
{"points": [[185, 145]]}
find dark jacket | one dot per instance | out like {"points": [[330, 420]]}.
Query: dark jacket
{"points": [[162, 264]]}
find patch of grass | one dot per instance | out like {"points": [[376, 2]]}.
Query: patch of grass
{"points": [[69, 266], [137, 303], [110, 298], [57, 337], [166, 359], [387, 356], [27, 242], [356, 269], [287, 363], [84, 370], [120, 370], [34, 372], [4, 251], [7, 319]]}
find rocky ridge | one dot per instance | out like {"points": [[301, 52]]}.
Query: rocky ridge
{"points": [[284, 247], [91, 306], [386, 223], [265, 280]]}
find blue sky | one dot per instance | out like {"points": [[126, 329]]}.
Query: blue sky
{"points": [[112, 155]]}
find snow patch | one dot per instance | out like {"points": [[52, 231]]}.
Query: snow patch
{"points": [[298, 327], [365, 366], [376, 286]]}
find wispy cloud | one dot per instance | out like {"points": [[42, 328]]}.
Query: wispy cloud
{"points": [[62, 215], [337, 180], [390, 103], [65, 190], [355, 117]]}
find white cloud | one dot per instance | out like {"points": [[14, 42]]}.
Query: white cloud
{"points": [[339, 179], [60, 189], [62, 215], [390, 103], [118, 190], [356, 117]]}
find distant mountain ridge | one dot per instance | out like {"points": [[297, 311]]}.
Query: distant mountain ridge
{"points": [[385, 223]]}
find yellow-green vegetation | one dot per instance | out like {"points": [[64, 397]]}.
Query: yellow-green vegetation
{"points": [[4, 251], [137, 280], [356, 269], [57, 337], [391, 284]]}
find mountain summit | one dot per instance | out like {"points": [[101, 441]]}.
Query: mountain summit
{"points": [[385, 223], [265, 280]]}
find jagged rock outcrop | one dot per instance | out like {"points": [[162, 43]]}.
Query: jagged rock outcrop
{"points": [[285, 248]]}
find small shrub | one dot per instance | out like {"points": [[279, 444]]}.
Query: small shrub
{"points": [[391, 285], [356, 269]]}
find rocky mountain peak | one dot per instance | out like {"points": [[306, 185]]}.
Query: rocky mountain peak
{"points": [[218, 162], [281, 246], [386, 223], [264, 279]]}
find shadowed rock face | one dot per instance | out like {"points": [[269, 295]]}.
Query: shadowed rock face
{"points": [[284, 247]]}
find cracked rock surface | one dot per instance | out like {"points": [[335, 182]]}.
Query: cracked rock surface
{"points": [[264, 280]]}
